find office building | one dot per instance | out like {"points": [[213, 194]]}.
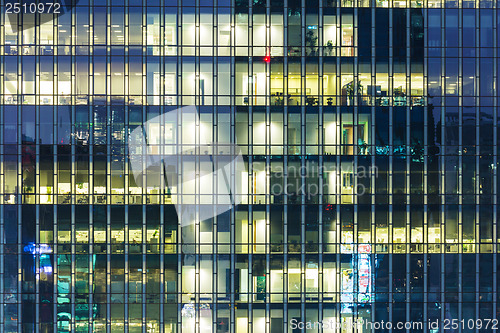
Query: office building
{"points": [[368, 132]]}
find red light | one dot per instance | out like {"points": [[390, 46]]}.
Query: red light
{"points": [[267, 59]]}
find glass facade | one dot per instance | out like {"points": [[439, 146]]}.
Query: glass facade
{"points": [[368, 131]]}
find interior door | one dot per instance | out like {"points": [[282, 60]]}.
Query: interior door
{"points": [[347, 139], [347, 187]]}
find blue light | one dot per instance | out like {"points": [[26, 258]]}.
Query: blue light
{"points": [[37, 249], [40, 250]]}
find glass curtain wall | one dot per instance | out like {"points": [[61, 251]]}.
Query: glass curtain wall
{"points": [[369, 134]]}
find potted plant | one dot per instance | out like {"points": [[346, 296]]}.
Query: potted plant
{"points": [[311, 101], [311, 42], [350, 89], [362, 147], [329, 47], [278, 100]]}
